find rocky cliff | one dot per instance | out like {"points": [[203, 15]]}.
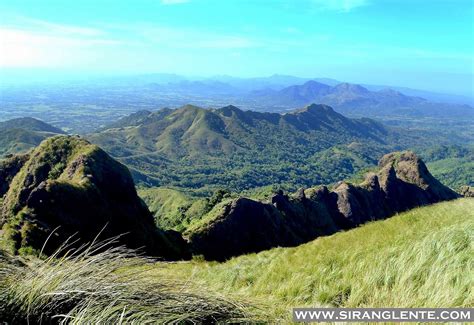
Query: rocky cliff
{"points": [[67, 186], [244, 226]]}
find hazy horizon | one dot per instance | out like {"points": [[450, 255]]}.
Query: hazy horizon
{"points": [[397, 43]]}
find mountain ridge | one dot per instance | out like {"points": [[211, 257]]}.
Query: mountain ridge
{"points": [[215, 146], [241, 226], [358, 100]]}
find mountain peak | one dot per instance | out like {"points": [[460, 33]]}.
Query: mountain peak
{"points": [[190, 107], [346, 206], [30, 124], [69, 186], [229, 110], [318, 108], [315, 108], [314, 83], [352, 88]]}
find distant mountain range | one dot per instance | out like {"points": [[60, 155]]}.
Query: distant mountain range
{"points": [[357, 100], [84, 106], [236, 85], [282, 93], [279, 81]]}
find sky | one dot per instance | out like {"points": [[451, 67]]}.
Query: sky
{"points": [[412, 43]]}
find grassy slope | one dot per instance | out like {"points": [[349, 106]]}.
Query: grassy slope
{"points": [[166, 204], [421, 258], [103, 288]]}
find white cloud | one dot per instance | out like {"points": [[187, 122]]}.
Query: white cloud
{"points": [[44, 44], [53, 28], [28, 42], [339, 5]]}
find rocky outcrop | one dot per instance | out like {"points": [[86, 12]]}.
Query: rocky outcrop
{"points": [[243, 225], [67, 187], [407, 183], [246, 226]]}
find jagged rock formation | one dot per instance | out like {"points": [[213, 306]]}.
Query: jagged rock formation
{"points": [[68, 186], [243, 225]]}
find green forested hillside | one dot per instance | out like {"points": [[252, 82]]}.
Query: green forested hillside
{"points": [[21, 134], [201, 149], [174, 209], [453, 165]]}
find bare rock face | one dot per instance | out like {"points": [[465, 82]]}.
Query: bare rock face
{"points": [[71, 187], [244, 225], [247, 225], [407, 182], [362, 203]]}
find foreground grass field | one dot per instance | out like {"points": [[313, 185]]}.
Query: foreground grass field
{"points": [[97, 286], [421, 258]]}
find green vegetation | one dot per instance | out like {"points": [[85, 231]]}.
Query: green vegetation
{"points": [[91, 286], [21, 134], [68, 187], [199, 151], [452, 165], [202, 150], [176, 210], [420, 258]]}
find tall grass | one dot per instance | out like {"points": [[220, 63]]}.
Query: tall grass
{"points": [[421, 258], [96, 284]]}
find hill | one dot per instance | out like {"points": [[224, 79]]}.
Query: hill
{"points": [[21, 134], [419, 258], [196, 148], [69, 187], [359, 101]]}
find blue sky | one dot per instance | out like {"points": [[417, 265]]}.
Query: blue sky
{"points": [[419, 44]]}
